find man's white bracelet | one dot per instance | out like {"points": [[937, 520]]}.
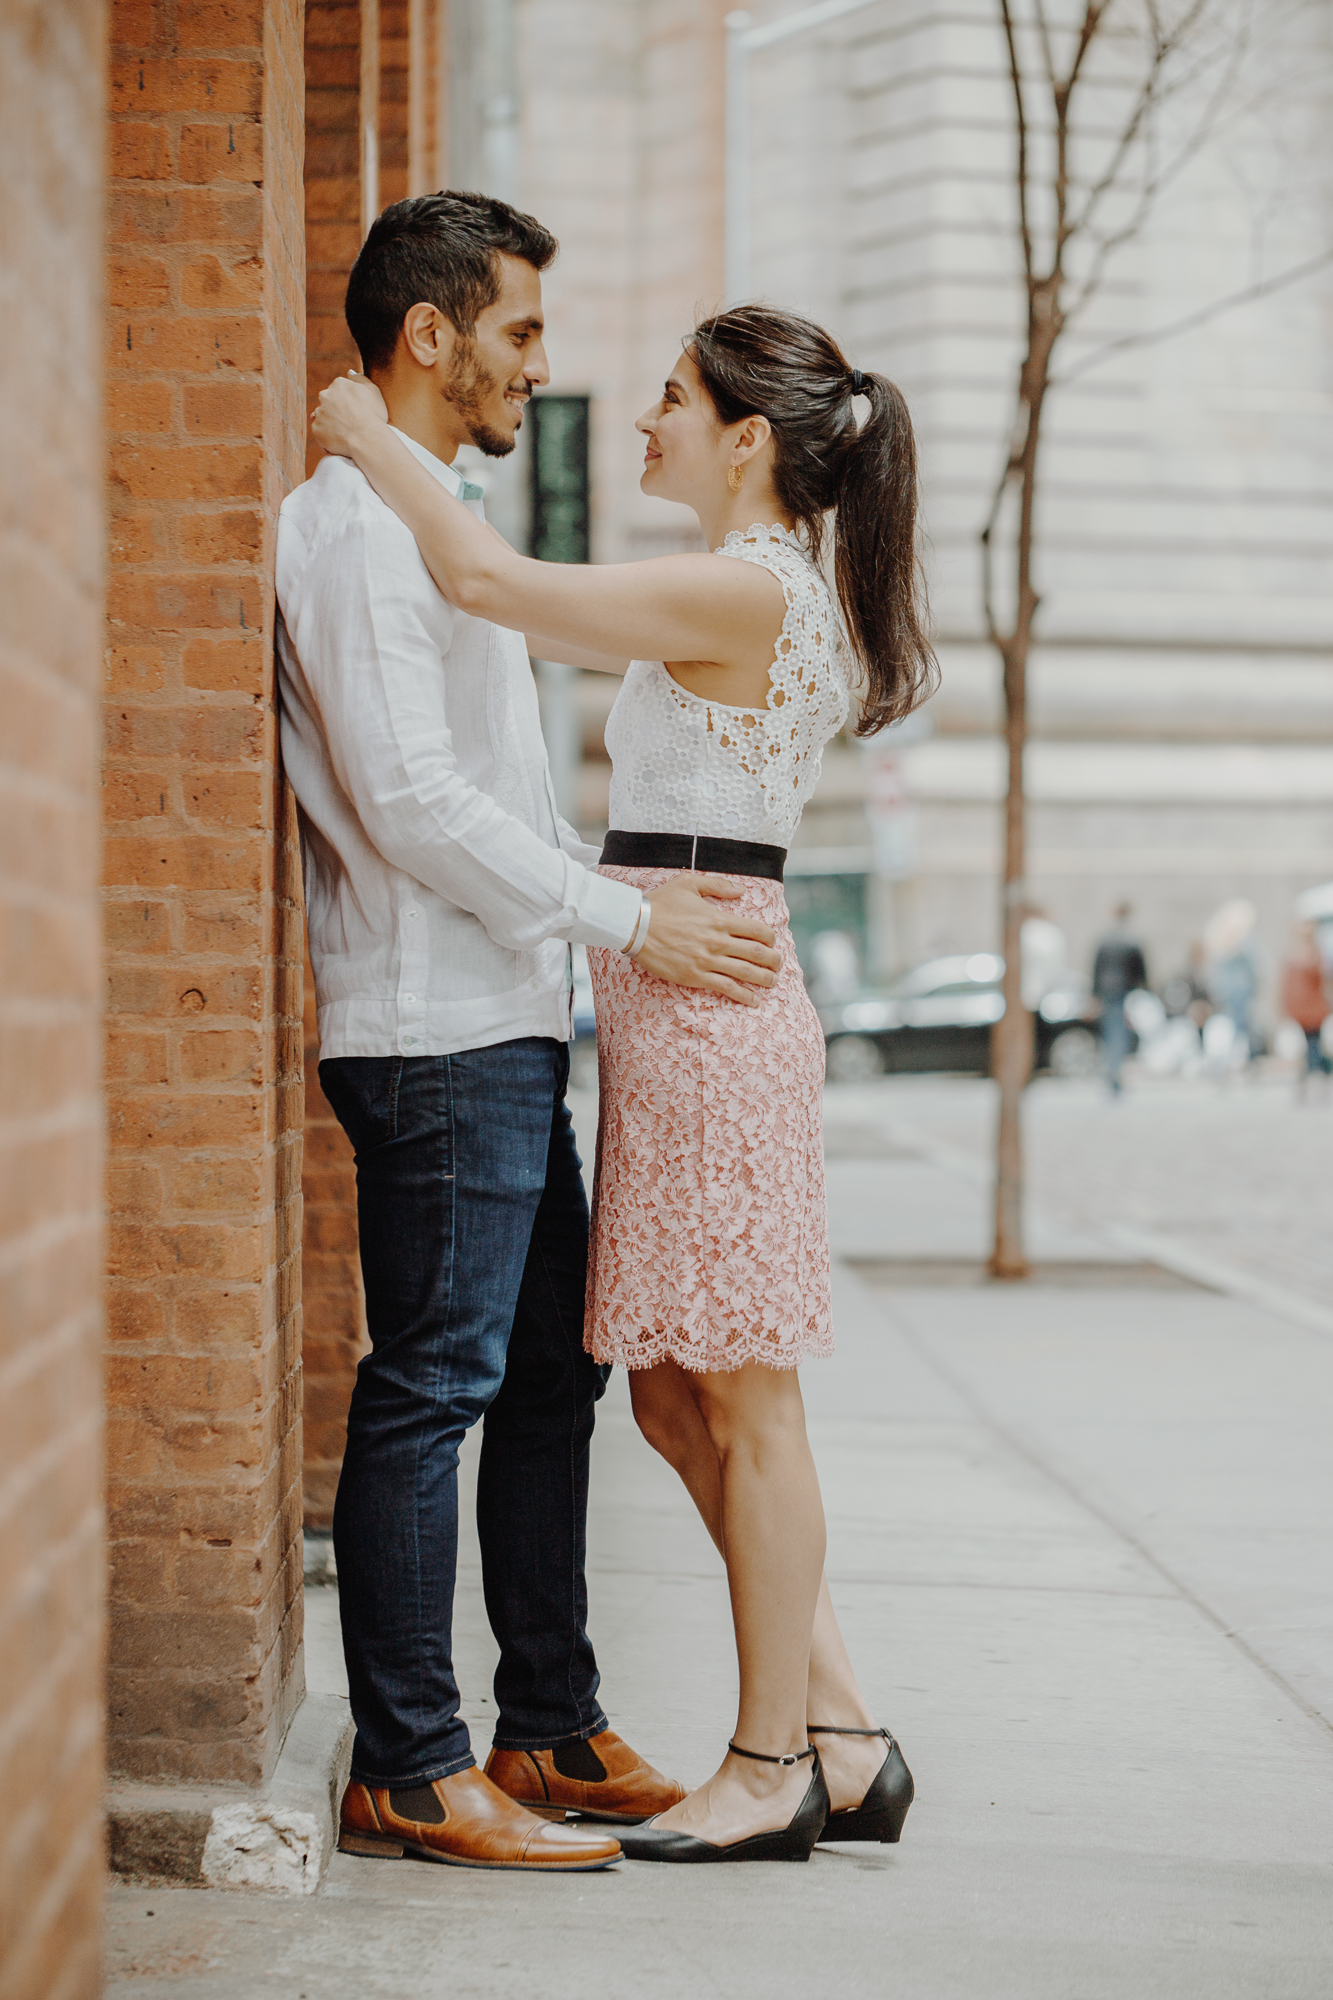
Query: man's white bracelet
{"points": [[640, 937]]}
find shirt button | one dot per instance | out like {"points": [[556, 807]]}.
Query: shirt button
{"points": [[411, 916], [410, 998]]}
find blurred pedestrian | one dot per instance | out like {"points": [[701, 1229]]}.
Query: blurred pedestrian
{"points": [[1305, 998], [1231, 940], [1045, 957], [1188, 993], [1118, 969]]}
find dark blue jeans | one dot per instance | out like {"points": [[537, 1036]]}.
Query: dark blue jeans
{"points": [[474, 1240]]}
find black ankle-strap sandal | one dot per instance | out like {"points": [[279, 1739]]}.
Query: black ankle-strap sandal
{"points": [[793, 1842], [788, 1758], [882, 1811]]}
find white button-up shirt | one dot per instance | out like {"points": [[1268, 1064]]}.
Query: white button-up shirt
{"points": [[442, 888]]}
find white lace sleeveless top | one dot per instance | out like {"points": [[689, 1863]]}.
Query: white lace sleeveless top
{"points": [[681, 763]]}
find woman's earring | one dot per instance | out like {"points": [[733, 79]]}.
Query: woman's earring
{"points": [[735, 478]]}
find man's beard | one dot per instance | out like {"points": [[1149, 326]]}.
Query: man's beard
{"points": [[468, 388]]}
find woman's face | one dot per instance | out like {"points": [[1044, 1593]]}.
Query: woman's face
{"points": [[687, 452]]}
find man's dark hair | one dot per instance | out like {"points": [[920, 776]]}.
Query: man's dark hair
{"points": [[440, 250]]}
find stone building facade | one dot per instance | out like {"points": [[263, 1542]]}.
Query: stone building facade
{"points": [[1182, 686]]}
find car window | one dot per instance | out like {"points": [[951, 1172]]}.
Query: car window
{"points": [[980, 972], [928, 978]]}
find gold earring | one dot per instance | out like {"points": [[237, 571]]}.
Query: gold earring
{"points": [[735, 478]]}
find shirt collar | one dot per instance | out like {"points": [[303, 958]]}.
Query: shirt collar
{"points": [[453, 482]]}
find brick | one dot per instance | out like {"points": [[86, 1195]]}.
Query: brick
{"points": [[221, 24], [141, 283], [137, 927], [138, 1057], [135, 538], [133, 1315], [227, 665], [223, 409], [222, 1056], [134, 1188], [229, 798], [147, 86], [216, 1186], [216, 286], [184, 1250], [182, 215], [216, 930], [146, 337], [137, 407], [135, 670], [216, 734], [182, 602], [139, 152], [234, 537], [139, 1122], [184, 992], [136, 795], [233, 152], [190, 861], [189, 472]]}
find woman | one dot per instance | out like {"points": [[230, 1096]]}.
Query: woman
{"points": [[1305, 999], [708, 1273]]}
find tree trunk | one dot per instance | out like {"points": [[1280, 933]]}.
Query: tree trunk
{"points": [[1011, 1042]]}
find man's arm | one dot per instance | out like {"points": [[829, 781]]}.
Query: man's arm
{"points": [[360, 630], [358, 624]]}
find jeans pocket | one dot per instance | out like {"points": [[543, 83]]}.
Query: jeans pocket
{"points": [[363, 1092]]}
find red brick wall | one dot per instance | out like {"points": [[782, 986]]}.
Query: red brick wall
{"points": [[205, 354], [395, 54], [52, 70], [333, 1310], [341, 94]]}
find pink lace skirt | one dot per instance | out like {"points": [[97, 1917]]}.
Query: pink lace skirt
{"points": [[709, 1224]]}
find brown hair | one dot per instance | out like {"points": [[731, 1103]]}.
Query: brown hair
{"points": [[759, 361], [442, 250]]}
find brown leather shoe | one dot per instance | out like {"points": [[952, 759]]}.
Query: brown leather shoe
{"points": [[465, 1822], [597, 1776]]}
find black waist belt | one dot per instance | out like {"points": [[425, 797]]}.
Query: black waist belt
{"points": [[682, 850]]}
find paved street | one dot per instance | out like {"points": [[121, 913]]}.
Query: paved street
{"points": [[1078, 1539], [1238, 1172]]}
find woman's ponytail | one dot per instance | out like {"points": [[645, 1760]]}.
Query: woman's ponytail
{"points": [[756, 360], [880, 586]]}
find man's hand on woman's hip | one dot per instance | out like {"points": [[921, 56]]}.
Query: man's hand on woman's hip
{"points": [[694, 940]]}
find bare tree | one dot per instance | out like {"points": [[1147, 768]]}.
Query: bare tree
{"points": [[1087, 180]]}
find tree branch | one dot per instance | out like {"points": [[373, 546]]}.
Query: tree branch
{"points": [[1021, 126], [1199, 318]]}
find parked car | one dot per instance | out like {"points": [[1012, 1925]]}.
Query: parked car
{"points": [[940, 1016]]}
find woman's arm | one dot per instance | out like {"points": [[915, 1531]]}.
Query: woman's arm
{"points": [[574, 656], [687, 607]]}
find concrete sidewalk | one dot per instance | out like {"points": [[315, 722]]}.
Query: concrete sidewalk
{"points": [[1072, 1538]]}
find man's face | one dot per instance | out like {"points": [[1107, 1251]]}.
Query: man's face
{"points": [[492, 372]]}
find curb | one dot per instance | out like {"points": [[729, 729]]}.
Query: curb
{"points": [[233, 1836]]}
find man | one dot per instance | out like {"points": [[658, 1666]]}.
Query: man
{"points": [[1119, 969], [442, 894]]}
